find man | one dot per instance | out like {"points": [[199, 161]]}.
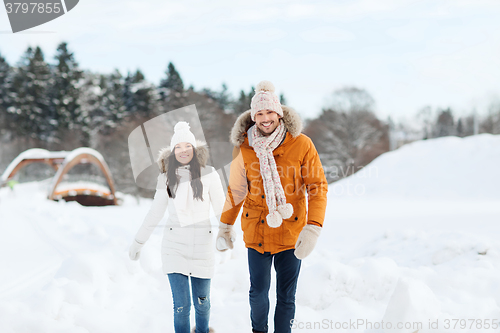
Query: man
{"points": [[274, 166]]}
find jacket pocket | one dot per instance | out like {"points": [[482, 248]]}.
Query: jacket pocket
{"points": [[292, 226], [250, 223]]}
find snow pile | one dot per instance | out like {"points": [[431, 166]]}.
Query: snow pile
{"points": [[67, 268], [383, 257], [448, 167]]}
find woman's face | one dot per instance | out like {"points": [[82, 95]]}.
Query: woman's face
{"points": [[183, 152]]}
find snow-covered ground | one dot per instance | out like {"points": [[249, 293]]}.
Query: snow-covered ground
{"points": [[414, 241]]}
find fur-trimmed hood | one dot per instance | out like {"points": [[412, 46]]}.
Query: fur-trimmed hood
{"points": [[291, 118], [201, 154]]}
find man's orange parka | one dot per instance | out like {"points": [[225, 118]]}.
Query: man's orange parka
{"points": [[300, 171]]}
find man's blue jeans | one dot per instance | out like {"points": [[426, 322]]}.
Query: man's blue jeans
{"points": [[287, 268], [181, 295]]}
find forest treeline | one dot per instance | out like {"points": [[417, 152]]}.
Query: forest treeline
{"points": [[56, 105]]}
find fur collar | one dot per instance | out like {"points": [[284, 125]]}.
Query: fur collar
{"points": [[291, 118], [201, 154]]}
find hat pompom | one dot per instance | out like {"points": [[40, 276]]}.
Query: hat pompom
{"points": [[182, 134], [274, 219], [181, 126], [285, 210], [265, 86]]}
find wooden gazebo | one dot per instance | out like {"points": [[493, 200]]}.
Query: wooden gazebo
{"points": [[87, 194]]}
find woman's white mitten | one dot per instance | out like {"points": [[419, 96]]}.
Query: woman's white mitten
{"points": [[225, 237], [135, 250], [306, 241]]}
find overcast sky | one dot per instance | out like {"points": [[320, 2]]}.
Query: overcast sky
{"points": [[406, 54]]}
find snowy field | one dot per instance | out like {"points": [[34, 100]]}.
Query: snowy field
{"points": [[413, 239]]}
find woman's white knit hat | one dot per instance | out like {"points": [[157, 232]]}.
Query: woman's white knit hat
{"points": [[265, 99], [182, 134]]}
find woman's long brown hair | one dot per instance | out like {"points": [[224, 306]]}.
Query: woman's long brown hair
{"points": [[195, 171]]}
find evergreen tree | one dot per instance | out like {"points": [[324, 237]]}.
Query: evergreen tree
{"points": [[171, 89], [243, 103], [445, 124], [460, 128], [65, 91], [30, 86], [113, 105], [223, 98], [90, 101], [6, 73], [138, 95], [466, 125], [173, 81], [102, 105], [282, 99], [250, 95]]}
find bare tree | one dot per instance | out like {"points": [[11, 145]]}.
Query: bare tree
{"points": [[424, 117], [347, 134], [491, 123]]}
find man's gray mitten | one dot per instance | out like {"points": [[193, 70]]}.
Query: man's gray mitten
{"points": [[135, 250], [225, 237], [307, 240]]}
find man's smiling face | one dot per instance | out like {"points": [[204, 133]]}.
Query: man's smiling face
{"points": [[267, 121]]}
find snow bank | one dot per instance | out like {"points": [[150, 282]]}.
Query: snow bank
{"points": [[383, 257], [448, 167]]}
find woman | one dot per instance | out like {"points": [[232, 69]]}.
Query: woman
{"points": [[186, 186]]}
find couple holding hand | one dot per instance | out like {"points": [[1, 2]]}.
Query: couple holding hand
{"points": [[274, 166]]}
